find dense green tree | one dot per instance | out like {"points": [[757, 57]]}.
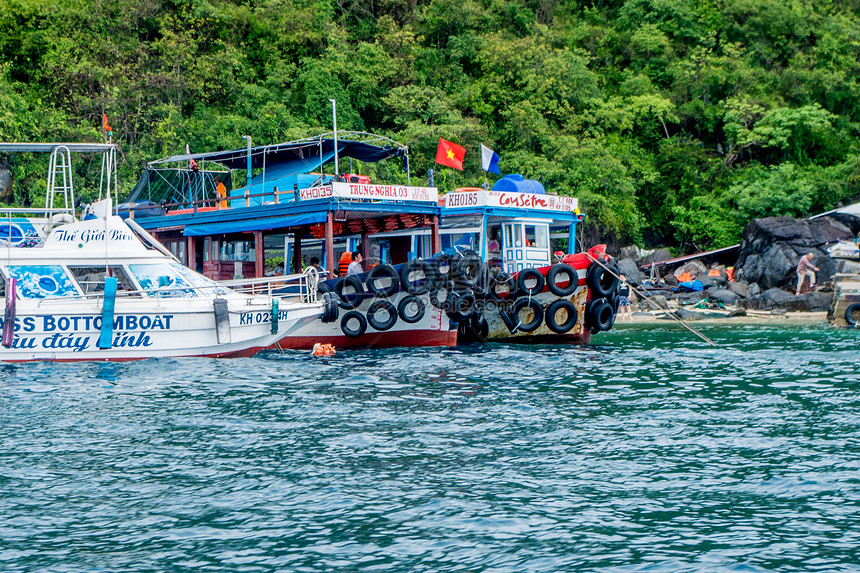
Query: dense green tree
{"points": [[673, 121]]}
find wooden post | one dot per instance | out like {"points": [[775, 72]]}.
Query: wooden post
{"points": [[365, 252], [435, 242], [191, 253], [260, 255], [329, 244], [297, 251]]}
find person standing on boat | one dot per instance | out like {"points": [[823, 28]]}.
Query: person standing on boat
{"points": [[624, 297], [355, 265], [221, 191], [803, 271]]}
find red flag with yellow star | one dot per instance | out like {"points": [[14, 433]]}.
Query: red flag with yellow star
{"points": [[450, 154]]}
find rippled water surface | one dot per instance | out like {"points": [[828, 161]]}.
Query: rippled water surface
{"points": [[645, 452]]}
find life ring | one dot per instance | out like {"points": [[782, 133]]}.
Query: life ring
{"points": [[599, 315], [530, 274], [416, 265], [382, 272], [353, 332], [497, 282], [849, 313], [467, 269], [601, 281], [435, 297], [404, 306], [440, 262], [552, 275], [351, 300], [384, 324], [330, 307], [536, 320], [552, 310]]}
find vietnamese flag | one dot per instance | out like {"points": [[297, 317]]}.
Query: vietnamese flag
{"points": [[450, 154]]}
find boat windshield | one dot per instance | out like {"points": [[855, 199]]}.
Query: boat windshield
{"points": [[161, 281], [92, 279], [199, 281], [42, 281]]}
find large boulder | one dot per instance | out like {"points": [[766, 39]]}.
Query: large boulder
{"points": [[776, 297], [771, 248], [724, 296], [739, 288], [657, 256], [630, 270]]}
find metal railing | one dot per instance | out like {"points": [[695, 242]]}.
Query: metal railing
{"points": [[303, 286]]}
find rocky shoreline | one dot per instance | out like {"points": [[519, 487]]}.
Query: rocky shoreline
{"points": [[759, 283]]}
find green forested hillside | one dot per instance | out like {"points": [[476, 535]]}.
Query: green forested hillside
{"points": [[674, 121]]}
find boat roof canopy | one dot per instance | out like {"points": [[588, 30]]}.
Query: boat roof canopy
{"points": [[303, 152]]}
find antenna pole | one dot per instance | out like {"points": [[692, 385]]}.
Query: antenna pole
{"points": [[334, 126]]}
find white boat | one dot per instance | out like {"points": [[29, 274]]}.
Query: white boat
{"points": [[103, 289]]}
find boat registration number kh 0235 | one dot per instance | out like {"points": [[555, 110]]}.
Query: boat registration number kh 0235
{"points": [[260, 317]]}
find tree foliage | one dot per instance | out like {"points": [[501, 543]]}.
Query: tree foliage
{"points": [[673, 121]]}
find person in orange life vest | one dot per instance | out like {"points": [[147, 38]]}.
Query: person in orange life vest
{"points": [[803, 271], [343, 265], [221, 192]]}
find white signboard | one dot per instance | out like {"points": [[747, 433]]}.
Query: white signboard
{"points": [[511, 200], [372, 191]]}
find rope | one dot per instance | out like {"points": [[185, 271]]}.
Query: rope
{"points": [[654, 303]]}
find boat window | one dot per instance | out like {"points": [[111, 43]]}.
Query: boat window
{"points": [[199, 281], [537, 236], [460, 240], [518, 235], [509, 241], [207, 246], [495, 239], [92, 279], [162, 280], [42, 281], [238, 251]]}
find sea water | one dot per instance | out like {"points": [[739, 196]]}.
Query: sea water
{"points": [[647, 451]]}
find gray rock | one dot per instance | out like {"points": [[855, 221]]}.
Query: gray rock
{"points": [[724, 296], [755, 290], [629, 252], [776, 297], [771, 248], [739, 288], [847, 267], [688, 315], [657, 256], [657, 301], [690, 297], [630, 270], [695, 268]]}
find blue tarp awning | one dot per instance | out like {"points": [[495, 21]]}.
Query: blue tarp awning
{"points": [[253, 225]]}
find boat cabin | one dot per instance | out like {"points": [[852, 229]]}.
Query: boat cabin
{"points": [[516, 225], [286, 210]]}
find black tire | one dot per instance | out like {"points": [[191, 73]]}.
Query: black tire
{"points": [[382, 272], [442, 262], [388, 322], [599, 315], [535, 322], [412, 266], [497, 282], [461, 305], [467, 269], [362, 324], [323, 288], [435, 298], [476, 329], [351, 300], [552, 310], [601, 281], [552, 275], [530, 274], [509, 321], [404, 306], [849, 313], [330, 307]]}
